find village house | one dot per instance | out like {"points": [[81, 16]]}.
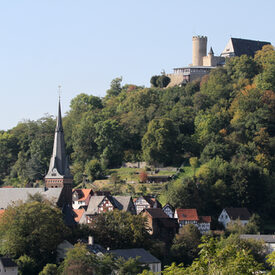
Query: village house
{"points": [[81, 198], [233, 215], [190, 216], [144, 257], [169, 210], [269, 240], [144, 202], [8, 266], [101, 204], [160, 225]]}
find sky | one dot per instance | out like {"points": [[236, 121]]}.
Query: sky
{"points": [[83, 44]]}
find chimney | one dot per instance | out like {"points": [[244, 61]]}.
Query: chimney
{"points": [[90, 240]]}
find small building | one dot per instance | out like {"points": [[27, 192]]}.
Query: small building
{"points": [[144, 257], [144, 202], [101, 204], [8, 266], [190, 216], [81, 198], [204, 224], [186, 216], [62, 250], [160, 225], [234, 214], [169, 210], [269, 240]]}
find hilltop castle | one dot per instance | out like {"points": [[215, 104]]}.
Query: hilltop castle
{"points": [[203, 63]]}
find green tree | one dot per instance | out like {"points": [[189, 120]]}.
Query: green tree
{"points": [[34, 229], [8, 152], [109, 142], [159, 144], [94, 170], [117, 229], [49, 269], [26, 265], [115, 88], [185, 245]]}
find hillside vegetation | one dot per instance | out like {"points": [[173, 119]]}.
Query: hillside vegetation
{"points": [[227, 121]]}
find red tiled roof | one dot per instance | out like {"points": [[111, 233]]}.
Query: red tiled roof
{"points": [[8, 186], [86, 193], [78, 214], [205, 219], [187, 214], [1, 212]]}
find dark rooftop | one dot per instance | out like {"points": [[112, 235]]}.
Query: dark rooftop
{"points": [[145, 256]]}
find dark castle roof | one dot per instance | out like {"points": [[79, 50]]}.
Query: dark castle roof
{"points": [[59, 165], [248, 47]]}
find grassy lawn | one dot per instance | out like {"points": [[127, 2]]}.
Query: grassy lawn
{"points": [[130, 184]]}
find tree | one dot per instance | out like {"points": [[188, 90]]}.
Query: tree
{"points": [[194, 163], [159, 144], [115, 88], [34, 229], [143, 176], [8, 152], [94, 170], [80, 261], [109, 142], [26, 265], [185, 244], [49, 269], [163, 81], [117, 229], [160, 81], [220, 257]]}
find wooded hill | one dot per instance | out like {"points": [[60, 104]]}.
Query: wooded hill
{"points": [[227, 121]]}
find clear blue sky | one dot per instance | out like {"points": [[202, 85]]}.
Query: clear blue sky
{"points": [[84, 44]]}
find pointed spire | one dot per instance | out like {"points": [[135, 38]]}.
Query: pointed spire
{"points": [[59, 127], [211, 52], [59, 166]]}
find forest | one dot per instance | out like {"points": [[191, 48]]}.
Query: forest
{"points": [[224, 123]]}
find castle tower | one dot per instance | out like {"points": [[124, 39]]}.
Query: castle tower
{"points": [[59, 175], [199, 50]]}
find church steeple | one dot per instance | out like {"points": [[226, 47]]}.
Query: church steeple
{"points": [[59, 172]]}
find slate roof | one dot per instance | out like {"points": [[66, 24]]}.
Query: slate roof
{"points": [[7, 262], [59, 165], [153, 202], [248, 47], [11, 195], [187, 214], [119, 202], [168, 205], [156, 213], [145, 256], [238, 213], [265, 238]]}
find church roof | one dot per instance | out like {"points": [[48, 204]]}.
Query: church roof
{"points": [[11, 195], [59, 165]]}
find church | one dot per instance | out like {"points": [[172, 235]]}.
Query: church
{"points": [[58, 181]]}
